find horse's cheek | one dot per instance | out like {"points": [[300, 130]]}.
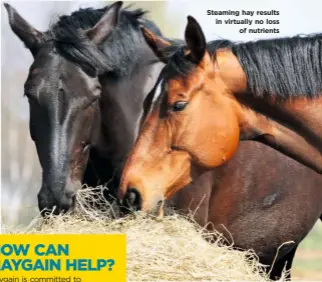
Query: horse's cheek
{"points": [[212, 148], [227, 139]]}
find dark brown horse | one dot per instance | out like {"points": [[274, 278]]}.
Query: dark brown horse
{"points": [[91, 72], [259, 200], [262, 198]]}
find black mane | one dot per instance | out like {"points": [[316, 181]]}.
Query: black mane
{"points": [[178, 63], [283, 67], [68, 37]]}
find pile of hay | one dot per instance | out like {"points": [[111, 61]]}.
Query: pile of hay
{"points": [[171, 249]]}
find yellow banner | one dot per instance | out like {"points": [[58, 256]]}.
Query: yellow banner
{"points": [[62, 258]]}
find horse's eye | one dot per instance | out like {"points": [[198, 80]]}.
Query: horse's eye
{"points": [[179, 106]]}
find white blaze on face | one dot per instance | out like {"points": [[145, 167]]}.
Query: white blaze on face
{"points": [[158, 91], [156, 94], [149, 84]]}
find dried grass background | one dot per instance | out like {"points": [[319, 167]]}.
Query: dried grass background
{"points": [[170, 249]]}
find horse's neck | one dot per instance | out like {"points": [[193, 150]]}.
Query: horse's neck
{"points": [[293, 127], [122, 106]]}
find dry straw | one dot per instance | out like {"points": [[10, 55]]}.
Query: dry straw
{"points": [[171, 249]]}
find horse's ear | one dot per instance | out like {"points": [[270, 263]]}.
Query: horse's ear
{"points": [[106, 24], [195, 40], [31, 37], [156, 44]]}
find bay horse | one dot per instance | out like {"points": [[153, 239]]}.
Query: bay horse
{"points": [[91, 72], [260, 198], [208, 99]]}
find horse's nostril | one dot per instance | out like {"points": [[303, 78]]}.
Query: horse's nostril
{"points": [[70, 194], [133, 198]]}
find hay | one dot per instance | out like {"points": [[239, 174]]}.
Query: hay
{"points": [[171, 249]]}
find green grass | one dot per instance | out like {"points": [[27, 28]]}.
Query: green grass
{"points": [[310, 265], [314, 240], [308, 259]]}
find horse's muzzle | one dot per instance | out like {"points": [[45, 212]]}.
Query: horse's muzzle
{"points": [[56, 200]]}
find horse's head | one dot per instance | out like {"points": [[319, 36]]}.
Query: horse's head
{"points": [[63, 96], [191, 101]]}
